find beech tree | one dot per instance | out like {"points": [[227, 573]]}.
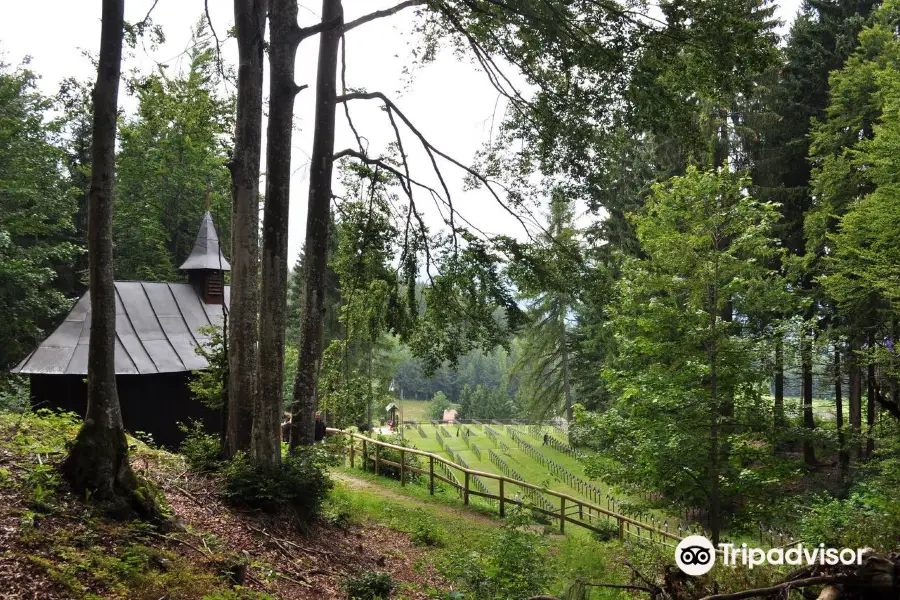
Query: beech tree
{"points": [[98, 462], [250, 23]]}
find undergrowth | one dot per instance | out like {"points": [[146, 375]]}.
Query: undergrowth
{"points": [[77, 549]]}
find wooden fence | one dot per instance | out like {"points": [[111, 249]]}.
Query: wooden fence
{"points": [[569, 509]]}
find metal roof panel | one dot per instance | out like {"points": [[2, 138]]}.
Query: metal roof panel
{"points": [[157, 331]]}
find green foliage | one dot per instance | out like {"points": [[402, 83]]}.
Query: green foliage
{"points": [[487, 403], [855, 222], [201, 451], [439, 404], [548, 278], [489, 369], [687, 379], [355, 369], [394, 456], [291, 356], [208, 385], [513, 566], [299, 485], [337, 512], [14, 394], [425, 532], [369, 585], [869, 516], [36, 207], [172, 154]]}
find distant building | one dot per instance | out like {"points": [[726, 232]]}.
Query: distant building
{"points": [[449, 416], [158, 328]]}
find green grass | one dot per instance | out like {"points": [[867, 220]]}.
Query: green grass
{"points": [[415, 410], [531, 470], [410, 509]]}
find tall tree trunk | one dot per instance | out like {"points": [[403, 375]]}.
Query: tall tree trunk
{"points": [[870, 400], [779, 383], [564, 363], [284, 38], [250, 26], [843, 458], [98, 462], [809, 451], [317, 219], [855, 393], [715, 416]]}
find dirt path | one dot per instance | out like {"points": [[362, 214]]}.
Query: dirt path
{"points": [[356, 483]]}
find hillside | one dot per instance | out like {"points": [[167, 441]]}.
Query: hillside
{"points": [[58, 548]]}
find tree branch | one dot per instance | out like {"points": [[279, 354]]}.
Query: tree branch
{"points": [[378, 14], [787, 585], [430, 148], [301, 33], [146, 20], [215, 37]]}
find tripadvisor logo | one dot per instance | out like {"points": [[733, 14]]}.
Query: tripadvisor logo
{"points": [[695, 555]]}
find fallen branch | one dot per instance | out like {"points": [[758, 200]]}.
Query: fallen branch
{"points": [[788, 585], [180, 541]]}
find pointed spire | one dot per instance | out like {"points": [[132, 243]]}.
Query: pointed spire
{"points": [[206, 253]]}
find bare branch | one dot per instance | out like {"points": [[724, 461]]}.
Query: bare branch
{"points": [[301, 33], [212, 29], [344, 91], [146, 20], [787, 585], [378, 14], [430, 148]]}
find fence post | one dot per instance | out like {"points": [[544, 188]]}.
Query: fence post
{"points": [[562, 515], [352, 447], [466, 490], [621, 529], [403, 467], [431, 475], [502, 501], [365, 456], [378, 460]]}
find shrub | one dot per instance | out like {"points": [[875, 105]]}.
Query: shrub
{"points": [[13, 393], [390, 454], [369, 585], [426, 533], [300, 484], [439, 404], [513, 567], [201, 450], [337, 513], [608, 530]]}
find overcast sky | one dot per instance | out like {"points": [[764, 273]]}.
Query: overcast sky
{"points": [[450, 100]]}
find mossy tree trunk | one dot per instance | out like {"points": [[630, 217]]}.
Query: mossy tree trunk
{"points": [[97, 465]]}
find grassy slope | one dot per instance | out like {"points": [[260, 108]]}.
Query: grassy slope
{"points": [[530, 469], [384, 501], [416, 410]]}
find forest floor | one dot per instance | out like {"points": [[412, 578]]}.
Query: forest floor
{"points": [[55, 547]]}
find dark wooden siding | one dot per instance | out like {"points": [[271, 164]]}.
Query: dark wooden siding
{"points": [[154, 404]]}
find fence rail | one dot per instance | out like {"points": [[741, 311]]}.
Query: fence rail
{"points": [[571, 510]]}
